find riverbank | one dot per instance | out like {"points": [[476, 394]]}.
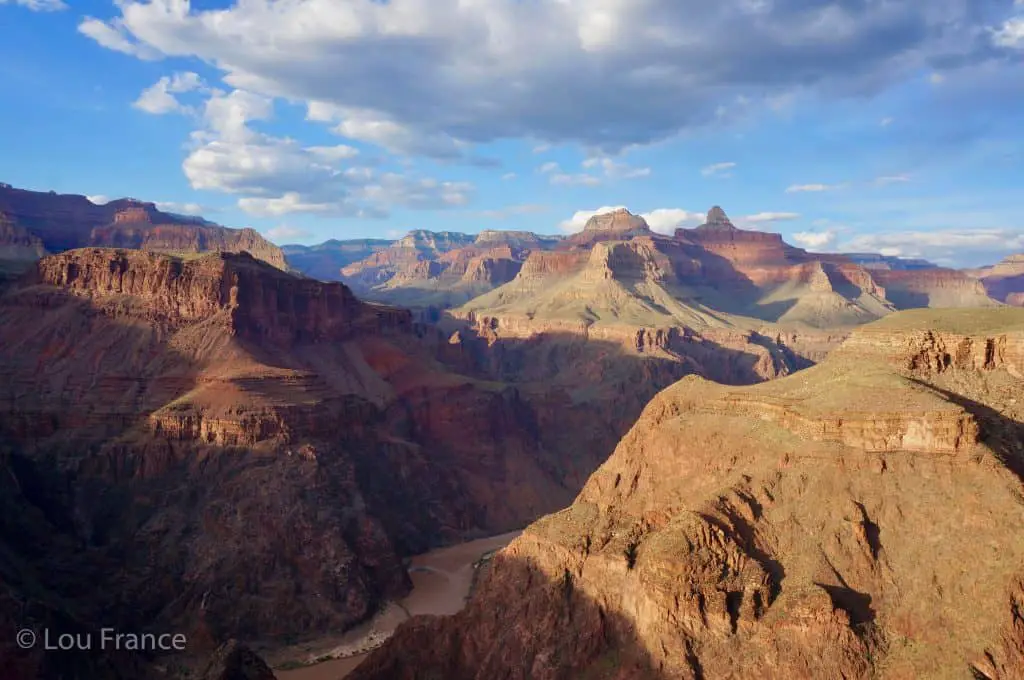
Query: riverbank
{"points": [[442, 581]]}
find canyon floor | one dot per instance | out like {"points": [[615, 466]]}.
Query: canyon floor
{"points": [[442, 580]]}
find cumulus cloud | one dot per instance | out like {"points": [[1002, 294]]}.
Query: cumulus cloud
{"points": [[159, 97], [667, 220], [965, 246], [1010, 34], [286, 234], [38, 5], [99, 199], [274, 176], [718, 170], [508, 176], [427, 76]]}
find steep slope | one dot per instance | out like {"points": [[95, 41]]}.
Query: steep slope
{"points": [[756, 274], [939, 287], [256, 452], [1004, 281], [859, 519], [325, 260], [715, 276], [64, 221]]}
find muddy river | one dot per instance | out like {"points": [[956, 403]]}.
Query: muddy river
{"points": [[441, 582]]}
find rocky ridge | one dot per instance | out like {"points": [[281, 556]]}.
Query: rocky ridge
{"points": [[65, 221], [808, 527]]}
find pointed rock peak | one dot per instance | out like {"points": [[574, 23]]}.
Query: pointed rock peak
{"points": [[717, 219], [618, 220]]}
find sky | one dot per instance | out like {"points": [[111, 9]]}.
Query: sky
{"points": [[890, 126]]}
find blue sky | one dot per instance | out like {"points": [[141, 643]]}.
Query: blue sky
{"points": [[854, 124]]}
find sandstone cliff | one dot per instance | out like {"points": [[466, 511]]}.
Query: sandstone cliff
{"points": [[858, 519]]}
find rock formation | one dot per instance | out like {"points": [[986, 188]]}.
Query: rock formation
{"points": [[257, 452], [853, 520], [1004, 281], [63, 222], [325, 261], [938, 287]]}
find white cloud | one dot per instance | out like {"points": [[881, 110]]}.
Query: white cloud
{"points": [[274, 176], [286, 234], [667, 220], [159, 97], [809, 188], [1010, 34], [508, 176], [579, 179], [99, 199], [615, 170], [979, 245], [426, 77], [718, 169], [887, 121], [815, 240], [770, 217], [549, 168], [38, 5], [542, 148], [114, 36]]}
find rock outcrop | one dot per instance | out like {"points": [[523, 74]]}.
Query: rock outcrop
{"points": [[64, 222], [808, 527]]}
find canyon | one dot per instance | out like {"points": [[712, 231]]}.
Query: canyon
{"points": [[730, 455], [852, 520], [159, 413]]}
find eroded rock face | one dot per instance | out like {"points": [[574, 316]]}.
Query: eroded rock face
{"points": [[257, 452], [808, 527], [64, 222], [938, 287]]}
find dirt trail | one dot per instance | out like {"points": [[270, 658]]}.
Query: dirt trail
{"points": [[441, 581]]}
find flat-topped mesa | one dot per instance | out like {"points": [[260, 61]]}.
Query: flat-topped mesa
{"points": [[617, 225], [259, 302], [620, 221], [515, 239], [67, 221], [434, 241]]}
